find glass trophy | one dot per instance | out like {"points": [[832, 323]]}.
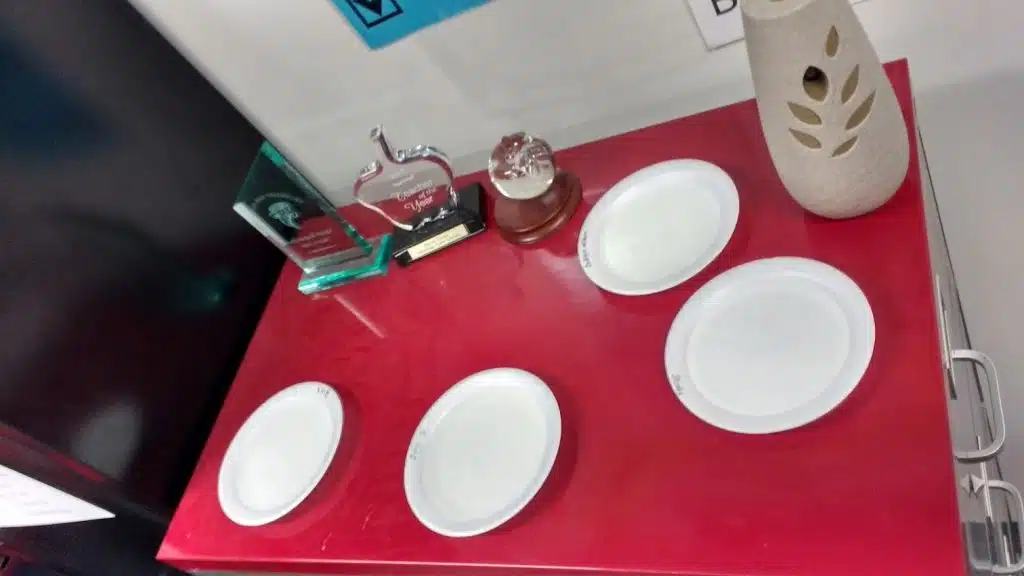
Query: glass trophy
{"points": [[290, 212], [413, 190]]}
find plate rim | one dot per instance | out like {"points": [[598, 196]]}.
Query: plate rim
{"points": [[230, 504], [439, 408], [675, 351], [598, 214]]}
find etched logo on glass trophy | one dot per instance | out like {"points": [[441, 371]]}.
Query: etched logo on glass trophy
{"points": [[288, 210], [413, 190]]}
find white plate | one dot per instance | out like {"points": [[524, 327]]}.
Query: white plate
{"points": [[280, 453], [658, 227], [770, 345], [482, 452]]}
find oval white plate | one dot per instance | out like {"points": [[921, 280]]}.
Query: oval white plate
{"points": [[658, 227], [280, 453], [770, 345], [482, 452]]}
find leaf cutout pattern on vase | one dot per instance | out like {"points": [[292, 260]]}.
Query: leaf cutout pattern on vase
{"points": [[806, 139], [861, 113], [804, 114], [832, 43], [844, 147], [815, 83], [850, 86]]}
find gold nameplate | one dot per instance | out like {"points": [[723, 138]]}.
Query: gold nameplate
{"points": [[447, 238]]}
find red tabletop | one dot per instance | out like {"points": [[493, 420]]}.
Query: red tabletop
{"points": [[640, 485]]}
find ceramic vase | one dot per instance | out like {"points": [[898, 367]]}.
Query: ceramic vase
{"points": [[828, 112]]}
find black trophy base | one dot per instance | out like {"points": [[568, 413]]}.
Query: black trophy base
{"points": [[467, 221]]}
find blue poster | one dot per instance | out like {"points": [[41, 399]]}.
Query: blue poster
{"points": [[381, 22]]}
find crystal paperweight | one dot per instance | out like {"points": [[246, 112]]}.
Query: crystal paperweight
{"points": [[532, 198], [413, 190], [283, 206]]}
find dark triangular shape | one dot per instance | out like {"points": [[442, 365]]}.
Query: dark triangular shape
{"points": [[375, 6]]}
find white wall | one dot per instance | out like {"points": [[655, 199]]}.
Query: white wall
{"points": [[304, 78]]}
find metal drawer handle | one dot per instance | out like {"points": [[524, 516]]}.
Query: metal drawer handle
{"points": [[1019, 501], [989, 367], [943, 323]]}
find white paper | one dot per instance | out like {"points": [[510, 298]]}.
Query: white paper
{"points": [[720, 22], [25, 501]]}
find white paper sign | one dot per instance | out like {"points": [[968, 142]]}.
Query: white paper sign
{"points": [[25, 501], [720, 22]]}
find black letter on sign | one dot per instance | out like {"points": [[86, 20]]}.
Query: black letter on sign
{"points": [[718, 6]]}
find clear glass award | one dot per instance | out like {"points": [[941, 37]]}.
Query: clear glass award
{"points": [[288, 210], [413, 190]]}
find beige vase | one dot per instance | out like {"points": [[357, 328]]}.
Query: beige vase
{"points": [[828, 112]]}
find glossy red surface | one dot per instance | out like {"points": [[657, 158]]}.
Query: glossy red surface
{"points": [[640, 484]]}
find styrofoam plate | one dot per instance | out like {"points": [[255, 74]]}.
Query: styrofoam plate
{"points": [[770, 345], [658, 227], [280, 453], [482, 452]]}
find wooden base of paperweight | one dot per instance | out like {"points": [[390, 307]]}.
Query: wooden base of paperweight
{"points": [[529, 221]]}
